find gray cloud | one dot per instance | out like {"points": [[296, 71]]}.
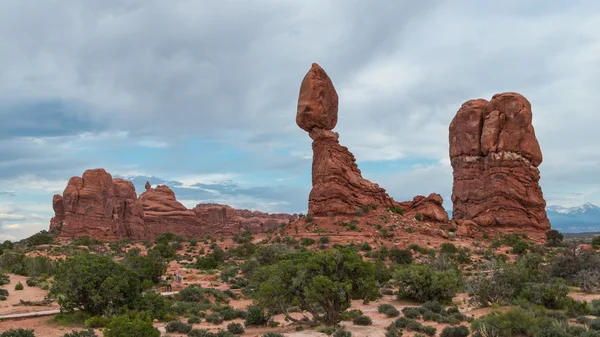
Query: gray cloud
{"points": [[231, 70]]}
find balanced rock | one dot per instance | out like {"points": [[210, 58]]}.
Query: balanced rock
{"points": [[338, 187], [495, 157], [98, 205]]}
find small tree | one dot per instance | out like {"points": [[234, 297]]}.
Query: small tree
{"points": [[326, 280], [423, 283], [94, 284], [554, 238], [134, 325]]}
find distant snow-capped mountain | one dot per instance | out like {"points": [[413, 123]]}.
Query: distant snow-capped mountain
{"points": [[584, 218]]}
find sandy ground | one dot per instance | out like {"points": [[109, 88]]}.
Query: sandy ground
{"points": [[27, 294]]}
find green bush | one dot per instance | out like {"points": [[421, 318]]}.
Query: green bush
{"points": [[94, 284], [550, 295], [433, 306], [256, 316], [41, 238], [150, 267], [388, 309], [596, 241], [96, 322], [19, 286], [3, 292], [411, 312], [362, 320], [324, 240], [81, 333], [273, 334], [194, 320], [513, 322], [401, 256], [342, 333], [422, 283], [455, 331], [554, 238], [307, 241], [2, 298], [419, 217], [135, 325], [214, 319], [206, 263], [235, 328], [178, 326], [31, 282], [18, 333], [157, 305]]}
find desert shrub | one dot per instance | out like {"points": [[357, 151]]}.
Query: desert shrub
{"points": [[595, 324], [455, 331], [194, 320], [31, 282], [273, 334], [382, 272], [401, 256], [3, 292], [81, 333], [18, 333], [164, 250], [157, 305], [329, 279], [244, 237], [256, 316], [41, 238], [214, 319], [178, 326], [549, 295], [422, 283], [448, 248], [307, 241], [193, 293], [388, 309], [206, 263], [419, 217], [596, 241], [94, 284], [554, 238], [228, 313], [362, 320], [393, 331], [2, 298], [341, 332], [20, 264], [133, 325], [520, 248], [433, 306], [411, 312], [324, 240], [513, 322], [235, 328], [150, 267], [96, 322], [19, 286], [413, 325]]}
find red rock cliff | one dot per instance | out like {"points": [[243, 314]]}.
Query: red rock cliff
{"points": [[495, 157]]}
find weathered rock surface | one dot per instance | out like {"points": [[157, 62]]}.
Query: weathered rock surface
{"points": [[338, 186], [99, 206], [495, 156]]}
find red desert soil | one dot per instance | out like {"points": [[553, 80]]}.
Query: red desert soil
{"points": [[27, 294]]}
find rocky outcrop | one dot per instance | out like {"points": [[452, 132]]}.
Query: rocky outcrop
{"points": [[338, 186], [495, 157], [100, 206]]}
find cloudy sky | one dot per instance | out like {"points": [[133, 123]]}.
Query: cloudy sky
{"points": [[202, 95]]}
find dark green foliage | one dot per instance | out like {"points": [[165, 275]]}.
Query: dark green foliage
{"points": [[256, 316], [388, 309], [85, 241], [81, 333], [411, 312], [448, 248], [235, 328], [246, 236], [327, 280], [324, 240], [178, 326], [20, 264], [393, 331], [307, 241], [413, 325], [513, 322], [520, 248], [554, 238], [596, 241], [19, 286], [206, 263], [214, 319], [2, 298], [455, 331], [157, 305], [342, 333], [194, 320], [133, 325], [168, 237], [419, 217], [96, 322], [549, 294], [41, 238], [150, 267], [401, 256], [18, 333], [362, 320], [422, 283], [382, 272], [164, 250], [273, 334], [31, 282], [94, 284], [397, 210]]}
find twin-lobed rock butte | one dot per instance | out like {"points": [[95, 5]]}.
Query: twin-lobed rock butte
{"points": [[494, 154], [99, 206], [338, 186]]}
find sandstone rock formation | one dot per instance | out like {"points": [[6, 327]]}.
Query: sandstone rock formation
{"points": [[495, 155], [99, 206], [338, 186]]}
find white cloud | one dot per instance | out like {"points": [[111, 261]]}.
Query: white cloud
{"points": [[5, 216], [11, 226]]}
